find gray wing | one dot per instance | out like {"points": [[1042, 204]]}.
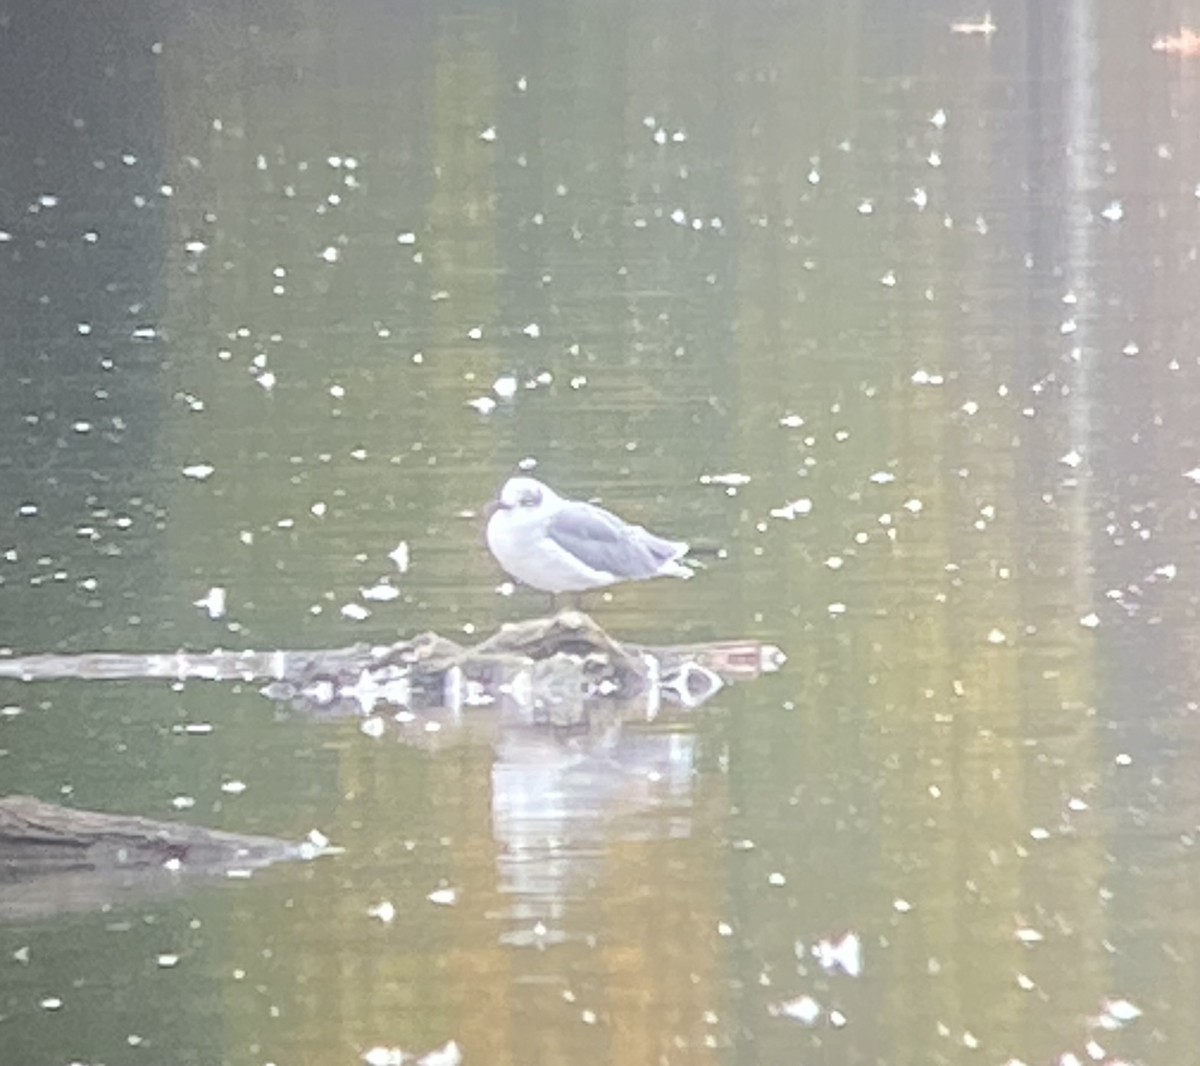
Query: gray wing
{"points": [[603, 542]]}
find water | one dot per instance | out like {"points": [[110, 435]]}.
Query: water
{"points": [[933, 294]]}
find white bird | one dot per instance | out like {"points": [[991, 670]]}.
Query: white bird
{"points": [[558, 545]]}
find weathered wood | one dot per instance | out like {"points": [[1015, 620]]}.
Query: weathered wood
{"points": [[38, 837], [567, 649]]}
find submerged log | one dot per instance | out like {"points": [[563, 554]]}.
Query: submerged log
{"points": [[55, 858], [531, 663]]}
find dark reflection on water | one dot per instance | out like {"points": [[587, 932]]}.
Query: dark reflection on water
{"points": [[932, 294]]}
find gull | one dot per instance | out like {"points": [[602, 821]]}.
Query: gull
{"points": [[558, 545]]}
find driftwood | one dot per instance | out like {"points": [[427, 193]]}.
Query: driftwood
{"points": [[538, 664], [56, 858]]}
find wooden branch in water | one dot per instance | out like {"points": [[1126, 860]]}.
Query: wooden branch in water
{"points": [[522, 659]]}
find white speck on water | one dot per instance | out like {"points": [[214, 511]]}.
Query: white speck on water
{"points": [[234, 787], [331, 254], [1026, 935], [888, 279], [475, 333], [144, 333], [267, 380], [679, 216], [795, 509], [372, 727], [835, 562], [1068, 327], [1123, 759], [934, 159], [836, 608], [355, 612], [844, 954], [505, 386], [1094, 1051], [1168, 570], [914, 506], [1121, 1011], [732, 479], [901, 905], [837, 1019], [384, 1056], [1193, 475], [443, 897], [777, 880], [802, 1009], [882, 477], [532, 330], [997, 636], [183, 803], [970, 407], [506, 588], [195, 247], [382, 592], [924, 377], [27, 510], [938, 119], [489, 134], [1071, 459], [791, 421], [385, 911], [50, 1003], [1090, 621], [399, 555], [83, 329], [213, 602], [199, 471], [1039, 833], [167, 962], [919, 197], [1114, 212], [866, 207]]}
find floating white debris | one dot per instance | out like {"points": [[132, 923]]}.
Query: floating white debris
{"points": [[902, 906], [505, 386], [183, 803], [399, 555], [835, 562], [485, 405], [318, 839], [331, 254], [1071, 459], [791, 421], [449, 1055], [914, 506], [50, 1003], [267, 380], [882, 477], [1193, 475], [233, 788], [355, 611], [195, 247], [1167, 570], [532, 330], [1114, 212], [802, 1009], [997, 636], [384, 1056], [919, 197], [888, 279], [443, 897], [1090, 621], [372, 727], [844, 954], [794, 509], [1120, 1011], [732, 480], [836, 608], [382, 592], [938, 119], [924, 377], [489, 134], [167, 962], [407, 238], [384, 911], [1068, 327], [1123, 759], [144, 333], [199, 471], [1029, 936], [213, 602]]}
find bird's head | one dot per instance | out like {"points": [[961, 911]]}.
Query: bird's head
{"points": [[521, 494]]}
